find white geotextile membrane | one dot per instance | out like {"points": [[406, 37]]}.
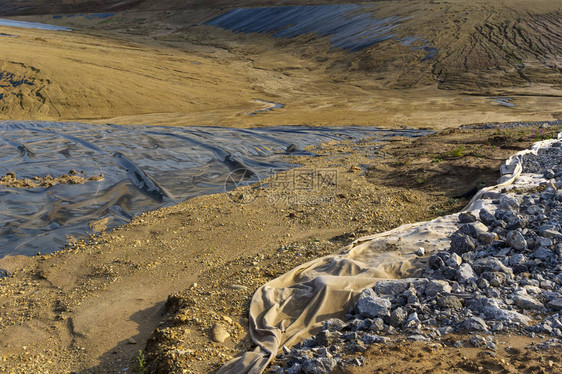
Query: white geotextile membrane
{"points": [[295, 305]]}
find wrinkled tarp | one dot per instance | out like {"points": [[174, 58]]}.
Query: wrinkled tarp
{"points": [[144, 168], [291, 307], [348, 26]]}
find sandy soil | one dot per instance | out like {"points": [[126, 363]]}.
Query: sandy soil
{"points": [[412, 358], [93, 306], [11, 180], [152, 66]]}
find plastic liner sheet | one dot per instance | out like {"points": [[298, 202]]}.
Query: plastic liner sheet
{"points": [[350, 26], [31, 25], [144, 168]]}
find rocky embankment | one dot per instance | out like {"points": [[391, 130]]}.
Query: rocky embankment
{"points": [[501, 274]]}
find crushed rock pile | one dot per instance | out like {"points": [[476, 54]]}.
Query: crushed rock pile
{"points": [[501, 273]]}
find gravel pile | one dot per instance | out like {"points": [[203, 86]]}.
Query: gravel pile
{"points": [[502, 273]]}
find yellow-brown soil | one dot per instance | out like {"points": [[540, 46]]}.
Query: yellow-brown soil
{"points": [[151, 66], [413, 358], [11, 180]]}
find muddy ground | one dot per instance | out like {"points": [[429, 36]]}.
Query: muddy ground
{"points": [[93, 306]]}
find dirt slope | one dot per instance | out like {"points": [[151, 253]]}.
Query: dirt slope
{"points": [[155, 66], [483, 47], [26, 7]]}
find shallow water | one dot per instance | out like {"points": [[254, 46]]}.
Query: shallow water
{"points": [[32, 25], [505, 101], [269, 109], [144, 168]]}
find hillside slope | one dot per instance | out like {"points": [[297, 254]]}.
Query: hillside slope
{"points": [[431, 64]]}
